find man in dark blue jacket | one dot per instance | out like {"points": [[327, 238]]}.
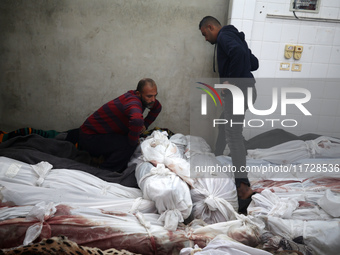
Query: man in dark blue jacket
{"points": [[235, 63]]}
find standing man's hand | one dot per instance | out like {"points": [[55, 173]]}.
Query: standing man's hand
{"points": [[224, 90], [244, 191]]}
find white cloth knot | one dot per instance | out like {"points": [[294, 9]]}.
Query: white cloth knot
{"points": [[42, 169], [311, 147], [171, 219], [40, 212], [211, 202], [160, 169]]}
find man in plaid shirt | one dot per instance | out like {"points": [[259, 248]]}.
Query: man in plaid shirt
{"points": [[113, 130]]}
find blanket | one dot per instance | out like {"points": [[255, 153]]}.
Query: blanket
{"points": [[34, 148], [275, 137], [4, 136]]}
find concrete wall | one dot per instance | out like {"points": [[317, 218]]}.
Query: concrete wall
{"points": [[62, 59], [320, 60]]}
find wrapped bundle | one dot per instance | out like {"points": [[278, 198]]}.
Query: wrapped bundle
{"points": [[158, 149], [214, 199], [214, 194], [169, 192], [223, 245], [292, 151], [28, 195], [322, 236], [63, 185], [139, 233]]}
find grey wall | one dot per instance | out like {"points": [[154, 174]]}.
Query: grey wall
{"points": [[61, 60]]}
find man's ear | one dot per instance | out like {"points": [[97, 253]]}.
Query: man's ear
{"points": [[138, 93]]}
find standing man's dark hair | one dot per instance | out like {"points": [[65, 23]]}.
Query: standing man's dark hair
{"points": [[208, 20], [235, 63]]}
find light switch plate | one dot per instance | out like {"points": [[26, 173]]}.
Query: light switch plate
{"points": [[284, 66], [296, 67]]}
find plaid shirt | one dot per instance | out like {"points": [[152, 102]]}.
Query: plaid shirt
{"points": [[123, 115]]}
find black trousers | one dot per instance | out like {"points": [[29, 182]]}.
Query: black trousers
{"points": [[115, 149], [232, 134]]}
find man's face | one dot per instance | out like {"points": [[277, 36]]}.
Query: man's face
{"points": [[208, 33], [148, 96]]}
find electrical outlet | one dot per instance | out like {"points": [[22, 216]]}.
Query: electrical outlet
{"points": [[289, 49], [297, 52]]}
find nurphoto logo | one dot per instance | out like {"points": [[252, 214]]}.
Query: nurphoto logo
{"points": [[238, 104]]}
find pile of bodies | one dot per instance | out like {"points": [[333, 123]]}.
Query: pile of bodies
{"points": [[173, 211]]}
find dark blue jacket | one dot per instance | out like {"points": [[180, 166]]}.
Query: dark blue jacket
{"points": [[234, 58]]}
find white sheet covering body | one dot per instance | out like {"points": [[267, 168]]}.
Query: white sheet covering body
{"points": [[63, 185], [322, 236], [214, 199], [140, 233], [223, 245], [304, 184], [298, 203], [214, 194], [292, 151], [169, 192], [302, 201], [158, 149], [330, 202], [322, 205]]}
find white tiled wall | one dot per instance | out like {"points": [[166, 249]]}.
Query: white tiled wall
{"points": [[320, 59]]}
